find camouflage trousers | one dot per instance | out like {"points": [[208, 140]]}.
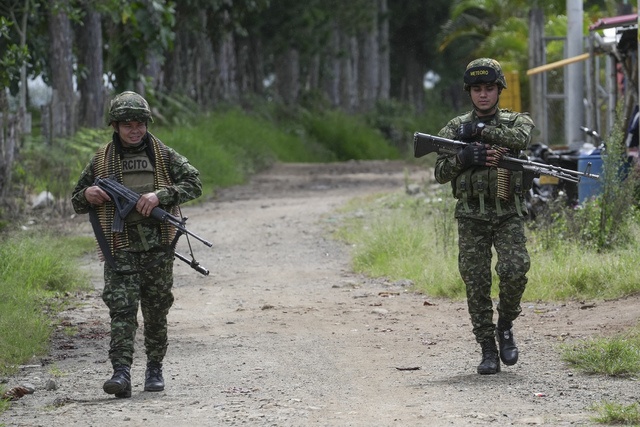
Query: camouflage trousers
{"points": [[476, 238], [150, 289]]}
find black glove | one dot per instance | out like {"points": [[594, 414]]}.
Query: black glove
{"points": [[468, 131], [473, 155]]}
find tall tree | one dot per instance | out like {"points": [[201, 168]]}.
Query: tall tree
{"points": [[90, 67], [499, 29], [61, 113], [369, 40], [12, 57], [384, 48], [17, 13]]}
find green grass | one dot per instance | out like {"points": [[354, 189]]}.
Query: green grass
{"points": [[575, 272], [395, 236], [34, 279], [347, 137], [617, 356], [612, 413], [228, 147], [403, 237]]}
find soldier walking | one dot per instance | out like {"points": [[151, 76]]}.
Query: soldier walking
{"points": [[490, 209], [138, 269]]}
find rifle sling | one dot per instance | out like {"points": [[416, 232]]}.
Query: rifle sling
{"points": [[100, 238]]}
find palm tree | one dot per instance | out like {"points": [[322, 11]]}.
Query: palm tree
{"points": [[497, 29]]}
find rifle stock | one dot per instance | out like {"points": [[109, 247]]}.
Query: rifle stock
{"points": [[125, 201], [424, 144]]}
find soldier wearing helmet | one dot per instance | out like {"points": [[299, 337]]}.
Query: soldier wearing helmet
{"points": [[490, 209], [138, 267], [129, 106]]}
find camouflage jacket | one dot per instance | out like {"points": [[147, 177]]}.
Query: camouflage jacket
{"points": [[507, 129]]}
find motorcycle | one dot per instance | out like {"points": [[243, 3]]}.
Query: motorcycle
{"points": [[548, 189]]}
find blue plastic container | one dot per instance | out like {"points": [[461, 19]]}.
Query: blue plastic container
{"points": [[589, 187]]}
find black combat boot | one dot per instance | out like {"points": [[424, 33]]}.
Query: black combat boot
{"points": [[153, 380], [490, 363], [508, 349], [120, 382]]}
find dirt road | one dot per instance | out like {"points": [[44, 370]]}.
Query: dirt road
{"points": [[282, 333]]}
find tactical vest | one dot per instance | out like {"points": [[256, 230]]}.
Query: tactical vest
{"points": [[135, 171], [490, 184], [137, 175]]}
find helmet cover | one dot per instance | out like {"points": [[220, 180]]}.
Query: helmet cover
{"points": [[484, 70], [129, 106]]}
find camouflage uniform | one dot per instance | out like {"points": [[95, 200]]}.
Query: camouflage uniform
{"points": [[143, 270], [486, 220]]}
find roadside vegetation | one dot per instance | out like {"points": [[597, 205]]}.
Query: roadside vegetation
{"points": [[38, 277]]}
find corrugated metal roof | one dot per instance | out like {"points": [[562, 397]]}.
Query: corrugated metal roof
{"points": [[614, 21]]}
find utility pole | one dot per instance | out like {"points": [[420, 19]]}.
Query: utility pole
{"points": [[574, 76]]}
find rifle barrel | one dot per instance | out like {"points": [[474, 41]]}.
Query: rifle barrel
{"points": [[180, 225], [557, 169]]}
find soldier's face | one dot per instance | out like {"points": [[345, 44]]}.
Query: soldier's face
{"points": [[484, 97], [131, 133]]}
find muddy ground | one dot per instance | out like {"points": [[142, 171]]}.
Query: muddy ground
{"points": [[283, 333]]}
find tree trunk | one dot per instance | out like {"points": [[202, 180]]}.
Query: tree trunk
{"points": [[90, 82], [349, 73], [62, 102], [413, 83], [288, 76], [9, 135], [226, 87], [250, 65], [23, 104], [383, 45], [331, 81], [369, 64], [190, 67]]}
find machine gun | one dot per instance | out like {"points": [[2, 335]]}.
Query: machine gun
{"points": [[424, 144], [125, 201]]}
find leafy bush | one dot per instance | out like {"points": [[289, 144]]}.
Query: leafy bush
{"points": [[347, 137]]}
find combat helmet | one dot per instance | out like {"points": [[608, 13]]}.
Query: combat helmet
{"points": [[484, 70], [129, 106]]}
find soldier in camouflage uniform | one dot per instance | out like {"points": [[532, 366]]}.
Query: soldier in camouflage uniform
{"points": [[139, 267], [490, 209]]}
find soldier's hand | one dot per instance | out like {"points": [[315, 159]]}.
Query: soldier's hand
{"points": [[96, 195], [468, 131], [476, 155], [146, 203]]}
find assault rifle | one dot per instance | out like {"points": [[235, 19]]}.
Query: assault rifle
{"points": [[424, 144], [125, 201]]}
